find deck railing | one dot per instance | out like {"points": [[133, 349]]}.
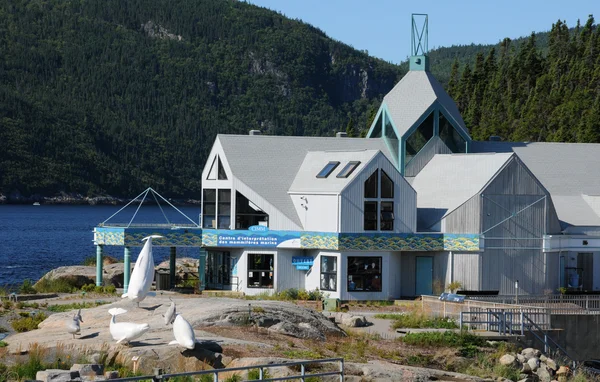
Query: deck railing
{"points": [[557, 304]]}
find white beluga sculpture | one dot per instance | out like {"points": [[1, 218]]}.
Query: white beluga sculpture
{"points": [[125, 332], [143, 274], [73, 326], [171, 313], [183, 332]]}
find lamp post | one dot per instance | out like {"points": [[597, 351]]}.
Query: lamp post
{"points": [[517, 292]]}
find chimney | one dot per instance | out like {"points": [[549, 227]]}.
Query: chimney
{"points": [[341, 134], [495, 138], [254, 132]]}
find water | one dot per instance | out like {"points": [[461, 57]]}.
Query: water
{"points": [[36, 239]]}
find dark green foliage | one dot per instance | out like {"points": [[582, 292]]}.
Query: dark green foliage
{"points": [[27, 287], [443, 339], [110, 97], [418, 320], [74, 306], [27, 323]]}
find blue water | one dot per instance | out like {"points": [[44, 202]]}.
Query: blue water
{"points": [[36, 239]]}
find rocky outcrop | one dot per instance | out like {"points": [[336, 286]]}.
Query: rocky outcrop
{"points": [[534, 366], [77, 275]]}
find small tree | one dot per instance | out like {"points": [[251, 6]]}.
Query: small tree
{"points": [[454, 286]]}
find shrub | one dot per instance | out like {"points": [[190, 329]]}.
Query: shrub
{"points": [[443, 339], [46, 285], [111, 289], [88, 288], [27, 287], [414, 320], [25, 324], [289, 294], [254, 374], [234, 378], [75, 305], [3, 344]]}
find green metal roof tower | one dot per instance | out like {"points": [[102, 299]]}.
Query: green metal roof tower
{"points": [[419, 47], [417, 118]]}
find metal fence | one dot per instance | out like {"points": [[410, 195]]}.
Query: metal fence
{"points": [[434, 306], [557, 304], [300, 368]]}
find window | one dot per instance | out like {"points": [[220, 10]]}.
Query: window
{"points": [[209, 205], [364, 274], [379, 202], [419, 138], [329, 167], [216, 170], [451, 137], [247, 213], [391, 137], [329, 273], [260, 270], [377, 128], [224, 209], [370, 216], [222, 175], [348, 169]]}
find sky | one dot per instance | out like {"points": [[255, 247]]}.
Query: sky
{"points": [[383, 27]]}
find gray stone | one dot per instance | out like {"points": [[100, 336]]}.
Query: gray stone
{"points": [[530, 353], [114, 374], [551, 364], [86, 370], [543, 358], [354, 321], [526, 369], [521, 358], [77, 276], [544, 373], [301, 330], [57, 375], [507, 359], [534, 363], [265, 322]]}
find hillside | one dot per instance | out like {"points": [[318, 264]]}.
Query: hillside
{"points": [[109, 97]]}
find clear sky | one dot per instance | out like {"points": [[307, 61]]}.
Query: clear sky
{"points": [[382, 27]]}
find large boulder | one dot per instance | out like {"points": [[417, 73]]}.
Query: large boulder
{"points": [[76, 275], [115, 274], [508, 360]]}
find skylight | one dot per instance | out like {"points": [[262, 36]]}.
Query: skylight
{"points": [[348, 169], [328, 169]]}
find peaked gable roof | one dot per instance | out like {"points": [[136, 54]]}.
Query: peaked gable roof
{"points": [[306, 179], [413, 95], [449, 180], [569, 171], [253, 157]]}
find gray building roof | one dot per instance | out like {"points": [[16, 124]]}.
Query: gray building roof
{"points": [[569, 171], [268, 164], [413, 95], [314, 161], [449, 180]]}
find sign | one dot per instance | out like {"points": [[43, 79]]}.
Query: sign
{"points": [[254, 239], [302, 263], [258, 228]]}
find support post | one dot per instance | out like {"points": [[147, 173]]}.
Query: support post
{"points": [[99, 265], [172, 267], [201, 270], [126, 269]]}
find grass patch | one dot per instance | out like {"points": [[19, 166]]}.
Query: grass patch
{"points": [[46, 285], [25, 324], [75, 305], [291, 294], [3, 344], [27, 287], [415, 320], [254, 374], [443, 339], [93, 288], [301, 354]]}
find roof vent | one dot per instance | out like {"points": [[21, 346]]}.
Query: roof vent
{"points": [[341, 134], [495, 138], [255, 132]]}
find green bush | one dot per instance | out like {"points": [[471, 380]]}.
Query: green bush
{"points": [[25, 324], [75, 305], [3, 344], [89, 261], [254, 374], [443, 339], [88, 288], [111, 289], [27, 287], [234, 378], [45, 285], [418, 321]]}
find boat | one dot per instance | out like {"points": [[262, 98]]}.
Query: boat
{"points": [[36, 203]]}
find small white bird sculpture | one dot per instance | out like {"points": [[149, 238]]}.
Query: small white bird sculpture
{"points": [[142, 274], [125, 332], [73, 324], [170, 314], [183, 332]]}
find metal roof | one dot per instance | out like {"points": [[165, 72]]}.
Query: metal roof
{"points": [[569, 171], [314, 161], [449, 180], [413, 95], [268, 164]]}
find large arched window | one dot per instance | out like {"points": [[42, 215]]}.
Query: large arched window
{"points": [[379, 202]]}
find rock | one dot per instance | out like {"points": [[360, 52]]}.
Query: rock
{"points": [[209, 345], [77, 276], [551, 364], [530, 353], [507, 360], [534, 363], [57, 375], [114, 374], [87, 370], [530, 378], [526, 369], [265, 322], [543, 358], [521, 358], [302, 330], [115, 274], [354, 321], [544, 373]]}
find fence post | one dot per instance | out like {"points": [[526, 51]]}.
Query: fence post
{"points": [[342, 370], [260, 373], [522, 322], [157, 374], [460, 320], [587, 302], [216, 376], [302, 373]]}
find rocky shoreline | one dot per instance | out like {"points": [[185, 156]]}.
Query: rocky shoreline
{"points": [[65, 198]]}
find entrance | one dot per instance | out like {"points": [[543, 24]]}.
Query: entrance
{"points": [[424, 276], [218, 270]]}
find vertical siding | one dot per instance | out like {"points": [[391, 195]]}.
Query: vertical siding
{"points": [[287, 276], [441, 270], [467, 270], [277, 220], [322, 212], [405, 199], [395, 275], [313, 277], [553, 270], [465, 219], [434, 146]]}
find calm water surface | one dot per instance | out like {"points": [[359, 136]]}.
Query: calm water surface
{"points": [[36, 239]]}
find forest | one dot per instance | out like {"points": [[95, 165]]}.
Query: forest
{"points": [[108, 97]]}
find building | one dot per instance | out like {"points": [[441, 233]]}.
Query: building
{"points": [[406, 211]]}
